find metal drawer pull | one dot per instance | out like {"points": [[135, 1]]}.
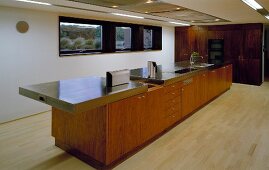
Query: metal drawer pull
{"points": [[188, 81]]}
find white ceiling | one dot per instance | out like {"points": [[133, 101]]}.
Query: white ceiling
{"points": [[233, 10]]}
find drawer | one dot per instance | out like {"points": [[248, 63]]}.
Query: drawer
{"points": [[174, 102], [187, 81], [171, 119], [172, 94], [173, 87], [172, 110]]}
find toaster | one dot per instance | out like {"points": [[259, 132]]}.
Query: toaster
{"points": [[119, 77]]}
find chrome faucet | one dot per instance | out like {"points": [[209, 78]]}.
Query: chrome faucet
{"points": [[195, 59], [191, 60]]}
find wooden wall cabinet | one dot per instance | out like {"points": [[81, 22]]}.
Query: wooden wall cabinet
{"points": [[189, 39], [242, 47]]}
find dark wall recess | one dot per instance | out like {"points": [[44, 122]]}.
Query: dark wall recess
{"points": [[77, 38]]}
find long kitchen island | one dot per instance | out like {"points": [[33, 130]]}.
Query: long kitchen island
{"points": [[104, 126]]}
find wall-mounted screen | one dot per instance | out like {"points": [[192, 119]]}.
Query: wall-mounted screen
{"points": [[79, 37], [123, 38], [148, 38]]}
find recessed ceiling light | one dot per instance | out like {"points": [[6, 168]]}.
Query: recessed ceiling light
{"points": [[125, 15], [34, 2], [179, 23], [146, 12], [149, 1], [253, 4], [177, 8], [217, 19], [114, 6], [267, 16]]}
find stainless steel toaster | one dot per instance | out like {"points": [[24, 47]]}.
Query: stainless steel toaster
{"points": [[115, 78]]}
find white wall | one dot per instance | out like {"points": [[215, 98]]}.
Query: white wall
{"points": [[33, 58]]}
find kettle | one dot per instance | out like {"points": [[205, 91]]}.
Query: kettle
{"points": [[152, 69]]}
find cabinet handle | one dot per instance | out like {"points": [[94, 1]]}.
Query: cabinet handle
{"points": [[173, 93]]}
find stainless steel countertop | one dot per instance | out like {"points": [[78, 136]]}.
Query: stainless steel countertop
{"points": [[80, 94], [166, 74]]}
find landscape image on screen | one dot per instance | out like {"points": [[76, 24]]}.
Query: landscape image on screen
{"points": [[80, 37]]}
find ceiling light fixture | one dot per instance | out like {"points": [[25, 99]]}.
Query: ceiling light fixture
{"points": [[125, 15], [179, 23], [253, 4], [149, 1], [34, 2], [177, 8], [114, 6], [267, 16], [217, 19]]}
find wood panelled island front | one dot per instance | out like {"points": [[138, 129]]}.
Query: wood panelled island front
{"points": [[108, 134]]}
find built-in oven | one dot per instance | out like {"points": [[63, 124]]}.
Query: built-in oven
{"points": [[215, 51]]}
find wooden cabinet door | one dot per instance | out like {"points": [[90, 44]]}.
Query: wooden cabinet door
{"points": [[221, 79], [187, 92], [182, 51], [200, 83], [152, 120], [253, 43], [254, 75], [229, 76], [124, 125], [202, 43], [212, 88]]}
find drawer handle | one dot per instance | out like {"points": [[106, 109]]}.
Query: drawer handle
{"points": [[185, 82]]}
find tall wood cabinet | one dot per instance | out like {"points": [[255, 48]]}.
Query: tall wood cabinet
{"points": [[242, 47]]}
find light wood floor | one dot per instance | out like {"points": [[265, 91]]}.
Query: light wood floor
{"points": [[232, 132]]}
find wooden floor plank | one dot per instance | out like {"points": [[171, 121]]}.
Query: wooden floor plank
{"points": [[232, 132]]}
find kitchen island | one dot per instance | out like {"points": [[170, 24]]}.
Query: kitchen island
{"points": [[103, 126]]}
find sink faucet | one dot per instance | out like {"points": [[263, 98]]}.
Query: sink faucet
{"points": [[191, 60], [194, 59]]}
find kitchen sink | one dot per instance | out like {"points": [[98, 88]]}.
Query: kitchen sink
{"points": [[185, 70], [203, 65]]}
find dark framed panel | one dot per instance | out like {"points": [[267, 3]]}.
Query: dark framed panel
{"points": [[79, 36]]}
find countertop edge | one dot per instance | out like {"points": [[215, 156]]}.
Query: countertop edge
{"points": [[91, 104], [47, 100]]}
